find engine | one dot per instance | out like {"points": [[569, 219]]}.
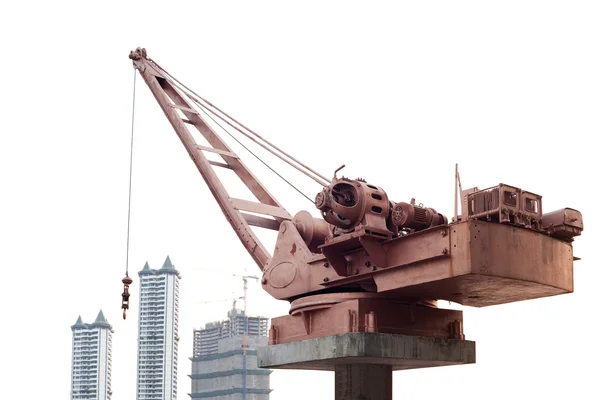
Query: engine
{"points": [[353, 204], [411, 216], [347, 204]]}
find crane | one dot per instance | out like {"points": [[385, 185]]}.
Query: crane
{"points": [[371, 264], [233, 298], [245, 338]]}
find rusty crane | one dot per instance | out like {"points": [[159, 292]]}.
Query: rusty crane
{"points": [[372, 264]]}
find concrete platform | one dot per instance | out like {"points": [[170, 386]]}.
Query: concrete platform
{"points": [[398, 351]]}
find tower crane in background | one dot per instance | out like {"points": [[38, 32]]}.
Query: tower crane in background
{"points": [[371, 264], [233, 298], [245, 338]]}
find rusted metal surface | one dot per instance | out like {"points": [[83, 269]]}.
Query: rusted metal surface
{"points": [[410, 216], [565, 223], [504, 204], [337, 313], [488, 264], [313, 231], [472, 263], [347, 203]]}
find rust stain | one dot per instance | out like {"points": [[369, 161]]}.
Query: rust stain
{"points": [[293, 249]]}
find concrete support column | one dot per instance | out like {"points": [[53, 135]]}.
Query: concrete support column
{"points": [[363, 361], [363, 382]]}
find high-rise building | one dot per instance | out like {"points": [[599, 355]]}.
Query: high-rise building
{"points": [[218, 368], [158, 335], [91, 359]]}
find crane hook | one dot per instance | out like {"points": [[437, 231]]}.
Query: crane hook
{"points": [[125, 305]]}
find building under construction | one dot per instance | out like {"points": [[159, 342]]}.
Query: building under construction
{"points": [[222, 367]]}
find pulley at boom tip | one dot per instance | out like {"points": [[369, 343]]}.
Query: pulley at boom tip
{"points": [[138, 54]]}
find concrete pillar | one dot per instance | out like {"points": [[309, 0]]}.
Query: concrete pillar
{"points": [[363, 382], [363, 361]]}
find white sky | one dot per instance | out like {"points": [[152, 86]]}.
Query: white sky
{"points": [[398, 91]]}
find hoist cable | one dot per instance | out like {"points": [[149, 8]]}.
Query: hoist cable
{"points": [[130, 173], [208, 114], [323, 182]]}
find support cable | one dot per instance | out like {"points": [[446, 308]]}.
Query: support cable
{"points": [[196, 98], [319, 181], [208, 114]]}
